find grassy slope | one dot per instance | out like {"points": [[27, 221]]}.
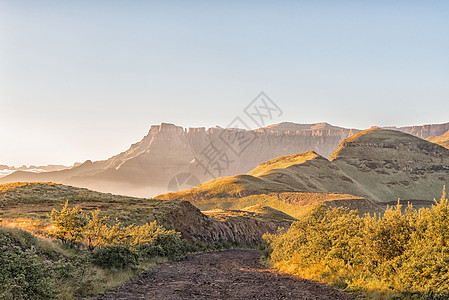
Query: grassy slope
{"points": [[291, 184], [392, 165], [26, 206], [305, 172], [228, 186], [257, 212], [282, 163], [376, 164], [442, 140], [40, 268], [35, 200]]}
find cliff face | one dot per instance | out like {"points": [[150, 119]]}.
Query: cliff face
{"points": [[36, 200], [424, 131], [151, 166], [196, 226], [170, 158], [375, 165]]}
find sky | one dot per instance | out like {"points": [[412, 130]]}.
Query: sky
{"points": [[85, 79]]}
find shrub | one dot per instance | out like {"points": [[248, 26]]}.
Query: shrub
{"points": [[114, 245], [114, 257], [23, 275], [398, 252], [69, 224]]}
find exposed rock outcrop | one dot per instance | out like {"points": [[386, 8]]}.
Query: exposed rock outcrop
{"points": [[169, 155], [424, 131], [196, 226], [377, 165]]}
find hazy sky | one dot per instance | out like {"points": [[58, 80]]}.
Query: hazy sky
{"points": [[85, 79]]}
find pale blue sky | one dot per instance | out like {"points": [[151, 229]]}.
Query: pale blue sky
{"points": [[85, 79]]}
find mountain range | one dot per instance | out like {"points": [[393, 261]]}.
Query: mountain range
{"points": [[6, 170], [368, 170], [170, 158]]}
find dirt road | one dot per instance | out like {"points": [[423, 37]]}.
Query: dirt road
{"points": [[231, 274]]}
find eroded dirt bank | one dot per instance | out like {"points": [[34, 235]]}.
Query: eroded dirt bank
{"points": [[231, 274]]}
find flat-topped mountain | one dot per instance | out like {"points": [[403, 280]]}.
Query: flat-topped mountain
{"points": [[377, 164], [170, 157], [290, 126], [148, 166], [423, 131]]}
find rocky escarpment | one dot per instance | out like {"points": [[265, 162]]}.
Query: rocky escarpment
{"points": [[150, 166], [171, 158], [196, 226], [372, 166], [169, 150], [424, 131], [33, 202]]}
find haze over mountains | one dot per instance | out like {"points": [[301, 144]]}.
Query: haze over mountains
{"points": [[6, 170], [170, 157], [367, 170]]}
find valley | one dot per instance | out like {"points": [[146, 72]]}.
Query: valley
{"points": [[151, 166], [285, 206]]}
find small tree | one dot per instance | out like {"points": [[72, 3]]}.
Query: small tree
{"points": [[96, 230], [69, 224]]}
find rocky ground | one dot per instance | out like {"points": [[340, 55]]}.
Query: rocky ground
{"points": [[231, 274]]}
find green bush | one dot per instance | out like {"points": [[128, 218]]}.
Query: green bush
{"points": [[32, 269], [396, 253], [114, 257], [115, 246], [23, 274]]}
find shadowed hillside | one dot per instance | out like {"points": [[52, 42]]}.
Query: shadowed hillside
{"points": [[292, 184], [391, 164], [371, 167]]}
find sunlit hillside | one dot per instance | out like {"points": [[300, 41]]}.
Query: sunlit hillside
{"points": [[442, 140]]}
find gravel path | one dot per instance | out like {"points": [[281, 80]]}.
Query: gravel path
{"points": [[231, 274]]}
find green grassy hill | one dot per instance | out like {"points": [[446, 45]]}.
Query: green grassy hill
{"points": [[26, 205], [36, 199], [257, 212], [442, 140], [372, 167], [391, 164]]}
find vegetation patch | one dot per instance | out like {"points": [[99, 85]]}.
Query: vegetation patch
{"points": [[256, 212], [94, 244], [402, 254]]}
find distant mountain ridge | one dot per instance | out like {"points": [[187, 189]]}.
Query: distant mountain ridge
{"points": [[377, 164], [168, 151], [423, 131], [290, 126], [6, 170]]}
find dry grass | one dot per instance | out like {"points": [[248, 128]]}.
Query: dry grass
{"points": [[35, 200], [442, 140], [374, 165], [256, 212], [282, 163]]}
